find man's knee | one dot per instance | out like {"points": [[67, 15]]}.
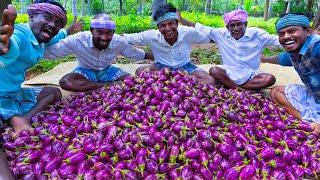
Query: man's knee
{"points": [[274, 91], [66, 83], [210, 80], [203, 76], [270, 80], [216, 71], [55, 92]]}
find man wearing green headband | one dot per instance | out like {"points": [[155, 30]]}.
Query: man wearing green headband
{"points": [[303, 53], [171, 44]]}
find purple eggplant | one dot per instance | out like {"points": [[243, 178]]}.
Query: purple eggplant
{"points": [[65, 170], [163, 155], [278, 174], [53, 164], [57, 148], [248, 172], [89, 148], [76, 158], [186, 173], [267, 153], [151, 167], [192, 153], [232, 174], [10, 146], [225, 149], [204, 158], [102, 175], [205, 173], [38, 168], [174, 173], [174, 153], [235, 156], [251, 150]]}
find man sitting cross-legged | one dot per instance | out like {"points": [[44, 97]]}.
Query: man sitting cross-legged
{"points": [[21, 47], [303, 53], [95, 52], [171, 44], [240, 48]]}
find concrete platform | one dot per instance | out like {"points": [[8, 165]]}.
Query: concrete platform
{"points": [[284, 75]]}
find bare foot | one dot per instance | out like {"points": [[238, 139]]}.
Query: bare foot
{"points": [[20, 123], [315, 127]]}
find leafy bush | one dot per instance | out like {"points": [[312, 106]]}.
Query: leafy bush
{"points": [[22, 18], [97, 6], [256, 11], [134, 23]]}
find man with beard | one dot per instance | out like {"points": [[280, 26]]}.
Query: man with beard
{"points": [[171, 44], [303, 53], [240, 48], [21, 47], [95, 51]]}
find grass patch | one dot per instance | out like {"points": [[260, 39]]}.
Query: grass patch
{"points": [[46, 65]]}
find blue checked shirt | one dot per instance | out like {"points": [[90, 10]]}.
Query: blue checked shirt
{"points": [[25, 51], [307, 65]]}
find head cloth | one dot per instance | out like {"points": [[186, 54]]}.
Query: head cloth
{"points": [[236, 15], [292, 20], [103, 24], [48, 8], [167, 16]]}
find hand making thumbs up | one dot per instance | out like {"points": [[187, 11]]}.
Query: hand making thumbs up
{"points": [[6, 28]]}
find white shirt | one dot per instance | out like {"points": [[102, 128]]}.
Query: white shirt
{"points": [[245, 52], [173, 56], [89, 57]]}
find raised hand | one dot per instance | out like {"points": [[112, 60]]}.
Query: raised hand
{"points": [[75, 27], [7, 27]]}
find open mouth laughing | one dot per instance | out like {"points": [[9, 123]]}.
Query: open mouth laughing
{"points": [[47, 32]]}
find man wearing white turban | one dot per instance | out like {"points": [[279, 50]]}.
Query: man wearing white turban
{"points": [[240, 48]]}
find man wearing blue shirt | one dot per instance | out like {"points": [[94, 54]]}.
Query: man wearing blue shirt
{"points": [[21, 47], [303, 53]]}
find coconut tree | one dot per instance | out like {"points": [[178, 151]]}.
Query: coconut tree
{"points": [[288, 2], [266, 10], [121, 7], [208, 6], [65, 4], [310, 5], [140, 6], [75, 8], [316, 22], [83, 7]]}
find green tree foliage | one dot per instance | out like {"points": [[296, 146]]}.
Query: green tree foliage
{"points": [[96, 6], [218, 7]]}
